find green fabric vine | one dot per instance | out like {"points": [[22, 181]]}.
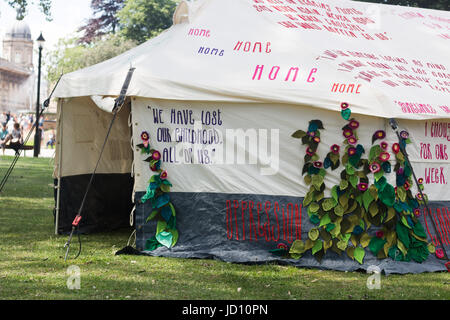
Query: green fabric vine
{"points": [[342, 222], [158, 195]]}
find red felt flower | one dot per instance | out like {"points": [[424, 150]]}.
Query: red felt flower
{"points": [[344, 105], [419, 196], [420, 181], [439, 253], [404, 134], [353, 124], [375, 167], [406, 185], [145, 136], [384, 145], [309, 151], [335, 149], [351, 151], [396, 148], [417, 212], [352, 140], [384, 156], [282, 246], [311, 133], [317, 164], [379, 134], [379, 234]]}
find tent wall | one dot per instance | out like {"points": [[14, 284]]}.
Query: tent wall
{"points": [[82, 128], [237, 211]]}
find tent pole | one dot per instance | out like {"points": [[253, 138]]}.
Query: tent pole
{"points": [[59, 145]]}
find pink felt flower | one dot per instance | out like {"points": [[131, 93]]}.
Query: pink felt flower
{"points": [[282, 246], [362, 186], [375, 167], [439, 253], [311, 133], [353, 124], [156, 155], [417, 212], [384, 145], [419, 196], [379, 234], [335, 149], [163, 175], [347, 132], [406, 185], [384, 156], [404, 134], [352, 140]]}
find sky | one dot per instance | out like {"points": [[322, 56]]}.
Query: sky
{"points": [[68, 16]]}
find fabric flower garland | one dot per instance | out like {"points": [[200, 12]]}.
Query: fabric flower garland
{"points": [[342, 222], [157, 194]]}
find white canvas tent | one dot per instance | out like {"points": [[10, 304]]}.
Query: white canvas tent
{"points": [[220, 94]]}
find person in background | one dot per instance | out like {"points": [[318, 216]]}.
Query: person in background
{"points": [[51, 139], [16, 137], [3, 135], [3, 120]]}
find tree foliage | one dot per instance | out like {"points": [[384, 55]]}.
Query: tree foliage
{"points": [[21, 7], [428, 4], [104, 19], [141, 20], [71, 56]]}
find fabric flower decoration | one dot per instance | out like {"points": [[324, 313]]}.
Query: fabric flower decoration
{"points": [[317, 164], [344, 105], [417, 212], [439, 253], [351, 151], [396, 148], [375, 167], [335, 149], [282, 246], [420, 181], [384, 145], [155, 167], [379, 134], [379, 234], [353, 124], [406, 186], [404, 134], [362, 186], [311, 133], [316, 139], [384, 156], [419, 196], [163, 175], [156, 155], [309, 151], [400, 171], [348, 133], [145, 136], [352, 140]]}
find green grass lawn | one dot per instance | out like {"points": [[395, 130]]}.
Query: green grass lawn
{"points": [[32, 264]]}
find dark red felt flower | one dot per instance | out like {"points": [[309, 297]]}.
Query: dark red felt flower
{"points": [[318, 164], [396, 148], [439, 253], [347, 132], [384, 156], [384, 145], [417, 212], [156, 155], [352, 140], [309, 151], [335, 148], [353, 124], [351, 151], [145, 136], [344, 105], [379, 234], [362, 186], [282, 246]]}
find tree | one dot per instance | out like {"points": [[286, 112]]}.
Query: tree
{"points": [[22, 5], [71, 56], [141, 20], [104, 21], [429, 4]]}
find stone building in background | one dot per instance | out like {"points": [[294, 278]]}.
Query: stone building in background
{"points": [[17, 75]]}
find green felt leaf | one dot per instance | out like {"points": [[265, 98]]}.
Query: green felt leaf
{"points": [[387, 195], [298, 246], [174, 233], [373, 209], [295, 256], [152, 215], [364, 240], [161, 226], [419, 231], [343, 184], [390, 214], [329, 204], [378, 175], [349, 169], [367, 199], [374, 152], [376, 244], [313, 234], [314, 218], [359, 254], [325, 220], [346, 113], [298, 134], [314, 207], [431, 248], [401, 193], [334, 157], [164, 188], [307, 179], [334, 193], [402, 234], [315, 157], [339, 210], [318, 245], [317, 181], [308, 198], [353, 180], [405, 222], [330, 227], [351, 252], [165, 238]]}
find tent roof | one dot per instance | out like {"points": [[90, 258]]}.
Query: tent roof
{"points": [[386, 61]]}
